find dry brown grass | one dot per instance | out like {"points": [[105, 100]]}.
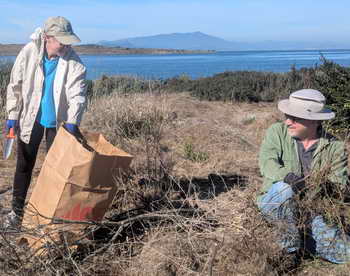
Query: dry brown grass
{"points": [[170, 215], [230, 248], [4, 79]]}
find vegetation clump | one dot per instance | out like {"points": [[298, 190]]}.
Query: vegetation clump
{"points": [[121, 84], [193, 155]]}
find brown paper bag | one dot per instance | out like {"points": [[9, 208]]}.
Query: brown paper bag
{"points": [[76, 181]]}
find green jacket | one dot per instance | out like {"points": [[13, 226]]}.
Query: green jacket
{"points": [[279, 156]]}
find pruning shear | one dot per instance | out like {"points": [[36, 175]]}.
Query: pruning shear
{"points": [[8, 143]]}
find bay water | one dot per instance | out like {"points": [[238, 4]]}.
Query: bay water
{"points": [[203, 65]]}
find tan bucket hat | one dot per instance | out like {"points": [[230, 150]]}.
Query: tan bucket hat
{"points": [[306, 104], [61, 29]]}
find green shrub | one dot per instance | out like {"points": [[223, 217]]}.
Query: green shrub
{"points": [[193, 155], [333, 81], [179, 84], [250, 86]]}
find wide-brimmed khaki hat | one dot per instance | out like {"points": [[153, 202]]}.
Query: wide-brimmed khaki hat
{"points": [[306, 104], [61, 29]]}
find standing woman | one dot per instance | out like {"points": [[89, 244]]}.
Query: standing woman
{"points": [[47, 87]]}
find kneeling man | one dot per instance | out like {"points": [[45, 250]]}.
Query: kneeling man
{"points": [[291, 152]]}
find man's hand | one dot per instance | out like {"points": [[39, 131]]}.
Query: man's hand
{"points": [[11, 124], [296, 182], [72, 128]]}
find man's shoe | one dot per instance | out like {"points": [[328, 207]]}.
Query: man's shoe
{"points": [[12, 222]]}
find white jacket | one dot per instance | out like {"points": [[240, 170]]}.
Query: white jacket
{"points": [[25, 89]]}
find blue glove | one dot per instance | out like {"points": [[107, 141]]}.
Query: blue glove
{"points": [[11, 124], [72, 128]]}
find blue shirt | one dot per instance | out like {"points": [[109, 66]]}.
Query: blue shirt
{"points": [[47, 113]]}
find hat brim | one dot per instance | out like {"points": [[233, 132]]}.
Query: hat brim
{"points": [[287, 108], [68, 39]]}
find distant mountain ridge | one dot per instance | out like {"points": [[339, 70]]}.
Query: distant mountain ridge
{"points": [[202, 41], [188, 41]]}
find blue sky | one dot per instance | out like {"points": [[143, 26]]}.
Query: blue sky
{"points": [[235, 20]]}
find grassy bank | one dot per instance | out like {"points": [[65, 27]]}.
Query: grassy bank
{"points": [[187, 207]]}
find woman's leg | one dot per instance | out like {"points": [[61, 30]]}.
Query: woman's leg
{"points": [[26, 157], [50, 134]]}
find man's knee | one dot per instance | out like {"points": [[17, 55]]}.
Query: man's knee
{"points": [[278, 193]]}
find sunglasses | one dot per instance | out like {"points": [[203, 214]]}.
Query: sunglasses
{"points": [[293, 119]]}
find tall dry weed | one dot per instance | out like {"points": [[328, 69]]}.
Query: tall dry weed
{"points": [[135, 123], [229, 238], [5, 70]]}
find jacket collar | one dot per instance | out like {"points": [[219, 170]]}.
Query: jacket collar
{"points": [[37, 38]]}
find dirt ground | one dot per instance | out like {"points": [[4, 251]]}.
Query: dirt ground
{"points": [[225, 139]]}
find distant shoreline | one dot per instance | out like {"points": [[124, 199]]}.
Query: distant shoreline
{"points": [[93, 49]]}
